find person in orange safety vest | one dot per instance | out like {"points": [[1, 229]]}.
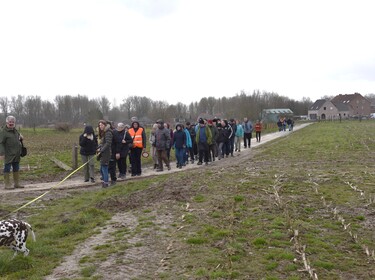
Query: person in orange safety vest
{"points": [[139, 145]]}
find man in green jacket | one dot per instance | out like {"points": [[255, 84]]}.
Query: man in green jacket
{"points": [[204, 140], [10, 152]]}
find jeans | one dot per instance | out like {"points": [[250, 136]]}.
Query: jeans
{"points": [[15, 166], [104, 173], [180, 152]]}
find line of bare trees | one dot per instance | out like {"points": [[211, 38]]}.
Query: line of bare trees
{"points": [[32, 111]]}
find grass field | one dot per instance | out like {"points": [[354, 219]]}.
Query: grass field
{"points": [[300, 207]]}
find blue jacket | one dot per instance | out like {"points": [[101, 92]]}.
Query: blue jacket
{"points": [[189, 143], [247, 126], [239, 131], [179, 139]]}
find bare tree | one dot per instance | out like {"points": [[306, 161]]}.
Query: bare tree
{"points": [[33, 110], [48, 112], [128, 105], [4, 105], [104, 105], [17, 107]]}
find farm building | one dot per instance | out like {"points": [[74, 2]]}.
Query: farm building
{"points": [[273, 115], [341, 106]]}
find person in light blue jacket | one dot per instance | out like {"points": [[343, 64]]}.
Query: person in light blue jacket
{"points": [[238, 137]]}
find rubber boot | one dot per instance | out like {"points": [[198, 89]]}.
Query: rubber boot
{"points": [[7, 184], [16, 178]]}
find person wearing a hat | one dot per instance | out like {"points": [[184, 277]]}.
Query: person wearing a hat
{"points": [[162, 143], [204, 139]]}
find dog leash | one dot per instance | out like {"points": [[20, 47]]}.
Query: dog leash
{"points": [[39, 197]]}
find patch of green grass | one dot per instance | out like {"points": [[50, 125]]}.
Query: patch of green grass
{"points": [[239, 198], [260, 241], [199, 198], [272, 266], [196, 240], [88, 271], [325, 265], [360, 218]]}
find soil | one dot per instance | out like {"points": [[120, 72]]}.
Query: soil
{"points": [[148, 248]]}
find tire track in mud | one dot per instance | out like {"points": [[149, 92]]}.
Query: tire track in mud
{"points": [[145, 249]]}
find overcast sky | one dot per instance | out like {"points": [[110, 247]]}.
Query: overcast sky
{"points": [[183, 50]]}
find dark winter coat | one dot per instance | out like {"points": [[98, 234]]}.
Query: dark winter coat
{"points": [[163, 138], [88, 146], [222, 137], [234, 129], [118, 146], [10, 145], [179, 139], [192, 134], [105, 146], [228, 131], [214, 132]]}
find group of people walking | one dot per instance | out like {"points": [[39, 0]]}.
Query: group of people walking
{"points": [[111, 147], [202, 142], [205, 141], [284, 122], [115, 147]]}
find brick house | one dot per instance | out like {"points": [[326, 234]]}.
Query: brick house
{"points": [[341, 106], [358, 105]]}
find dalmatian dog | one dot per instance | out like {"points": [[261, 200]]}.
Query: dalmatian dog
{"points": [[13, 234]]}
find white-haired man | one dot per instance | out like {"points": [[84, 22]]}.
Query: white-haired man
{"points": [[10, 152]]}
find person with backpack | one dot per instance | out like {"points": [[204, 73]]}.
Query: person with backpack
{"points": [[204, 140]]}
